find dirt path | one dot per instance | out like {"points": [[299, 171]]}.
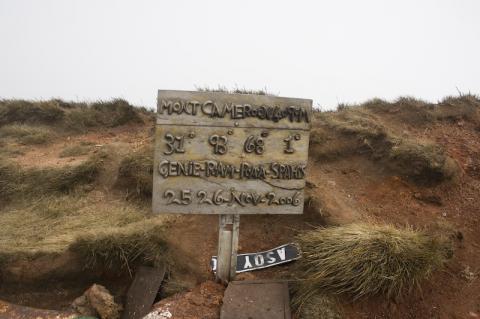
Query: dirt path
{"points": [[128, 138]]}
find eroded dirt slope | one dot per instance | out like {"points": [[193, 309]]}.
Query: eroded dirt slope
{"points": [[406, 163]]}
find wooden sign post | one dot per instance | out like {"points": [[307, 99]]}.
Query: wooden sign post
{"points": [[230, 154], [228, 232]]}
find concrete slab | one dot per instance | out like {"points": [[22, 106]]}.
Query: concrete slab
{"points": [[256, 300]]}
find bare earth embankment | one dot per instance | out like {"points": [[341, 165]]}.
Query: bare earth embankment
{"points": [[75, 192]]}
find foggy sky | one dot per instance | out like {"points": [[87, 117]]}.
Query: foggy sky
{"points": [[329, 51]]}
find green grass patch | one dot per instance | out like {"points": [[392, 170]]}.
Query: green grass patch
{"points": [[364, 260]]}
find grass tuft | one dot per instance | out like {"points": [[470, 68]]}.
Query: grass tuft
{"points": [[122, 248], [236, 90], [364, 260], [21, 111], [26, 134], [466, 107], [75, 150], [51, 223], [16, 182], [104, 113], [423, 162], [135, 174], [354, 121], [71, 116], [320, 307]]}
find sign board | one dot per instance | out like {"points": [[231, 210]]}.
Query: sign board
{"points": [[276, 256], [220, 153]]}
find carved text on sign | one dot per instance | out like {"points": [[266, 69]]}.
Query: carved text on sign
{"points": [[219, 144], [254, 144], [245, 170], [229, 197], [288, 141], [234, 111], [174, 144]]}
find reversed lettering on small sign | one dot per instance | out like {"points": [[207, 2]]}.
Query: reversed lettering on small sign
{"points": [[276, 256], [219, 153]]}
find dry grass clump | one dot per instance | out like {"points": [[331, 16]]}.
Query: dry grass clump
{"points": [[67, 178], [320, 307], [9, 150], [26, 134], [412, 111], [236, 90], [78, 229], [121, 248], [21, 111], [365, 260], [468, 98], [420, 161], [423, 162], [135, 174], [354, 121], [75, 150], [16, 182], [50, 224], [104, 113], [351, 131], [116, 112], [466, 107], [71, 116], [408, 110], [416, 112]]}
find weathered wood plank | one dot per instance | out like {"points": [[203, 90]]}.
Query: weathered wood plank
{"points": [[220, 165], [225, 248], [142, 292], [235, 235]]}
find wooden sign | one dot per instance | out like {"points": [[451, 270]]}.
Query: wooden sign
{"points": [[220, 153]]}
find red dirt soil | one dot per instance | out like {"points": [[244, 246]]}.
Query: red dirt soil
{"points": [[350, 189], [357, 188]]}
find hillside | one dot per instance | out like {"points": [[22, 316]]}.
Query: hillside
{"points": [[75, 192]]}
